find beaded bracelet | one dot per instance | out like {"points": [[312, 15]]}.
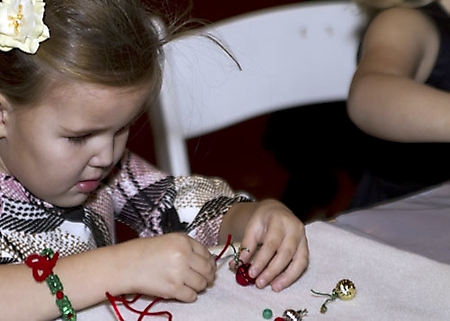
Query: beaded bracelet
{"points": [[42, 266]]}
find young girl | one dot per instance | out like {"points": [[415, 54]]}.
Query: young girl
{"points": [[400, 94], [74, 75]]}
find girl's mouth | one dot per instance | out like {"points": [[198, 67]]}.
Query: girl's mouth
{"points": [[88, 185]]}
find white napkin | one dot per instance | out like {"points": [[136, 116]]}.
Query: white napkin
{"points": [[391, 285]]}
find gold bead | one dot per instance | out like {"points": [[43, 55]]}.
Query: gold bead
{"points": [[345, 289]]}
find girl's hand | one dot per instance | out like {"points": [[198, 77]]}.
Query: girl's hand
{"points": [[171, 266], [283, 251]]}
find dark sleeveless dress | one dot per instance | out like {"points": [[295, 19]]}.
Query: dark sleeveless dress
{"points": [[396, 169]]}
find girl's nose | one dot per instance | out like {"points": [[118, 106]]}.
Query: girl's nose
{"points": [[104, 155]]}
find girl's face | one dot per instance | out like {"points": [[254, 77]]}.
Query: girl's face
{"points": [[63, 147]]}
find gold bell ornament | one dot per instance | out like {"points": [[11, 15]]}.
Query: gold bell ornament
{"points": [[344, 290]]}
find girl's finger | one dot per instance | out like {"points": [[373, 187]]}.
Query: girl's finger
{"points": [[293, 270]]}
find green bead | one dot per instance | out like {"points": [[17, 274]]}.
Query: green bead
{"points": [[67, 311], [54, 283], [267, 313], [47, 252]]}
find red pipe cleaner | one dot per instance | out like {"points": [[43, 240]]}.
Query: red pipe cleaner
{"points": [[41, 265], [142, 314]]}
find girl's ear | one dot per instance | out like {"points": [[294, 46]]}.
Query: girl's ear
{"points": [[5, 109]]}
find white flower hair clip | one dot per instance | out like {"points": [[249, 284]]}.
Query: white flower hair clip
{"points": [[22, 25]]}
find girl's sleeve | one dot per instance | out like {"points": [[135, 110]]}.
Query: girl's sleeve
{"points": [[153, 203], [202, 202]]}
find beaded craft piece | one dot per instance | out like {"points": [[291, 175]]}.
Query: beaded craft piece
{"points": [[242, 276], [42, 267], [292, 315]]}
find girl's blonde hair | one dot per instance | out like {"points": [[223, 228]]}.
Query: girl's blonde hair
{"points": [[109, 42]]}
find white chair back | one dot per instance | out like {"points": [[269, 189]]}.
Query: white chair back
{"points": [[290, 55]]}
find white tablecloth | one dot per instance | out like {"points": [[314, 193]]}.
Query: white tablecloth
{"points": [[392, 284]]}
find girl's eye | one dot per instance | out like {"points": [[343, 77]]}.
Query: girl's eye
{"points": [[78, 140], [123, 129]]}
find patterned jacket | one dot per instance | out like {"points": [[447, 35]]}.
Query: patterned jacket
{"points": [[135, 193]]}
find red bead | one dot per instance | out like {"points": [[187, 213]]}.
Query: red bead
{"points": [[242, 276], [279, 319], [59, 295]]}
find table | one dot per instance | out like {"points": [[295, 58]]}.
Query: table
{"points": [[419, 223], [396, 254]]}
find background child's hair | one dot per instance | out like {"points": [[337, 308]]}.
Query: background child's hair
{"points": [[372, 7], [109, 42]]}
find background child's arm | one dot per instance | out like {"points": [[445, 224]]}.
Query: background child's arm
{"points": [[388, 98]]}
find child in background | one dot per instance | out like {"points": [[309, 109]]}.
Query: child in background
{"points": [[74, 75], [400, 95]]}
